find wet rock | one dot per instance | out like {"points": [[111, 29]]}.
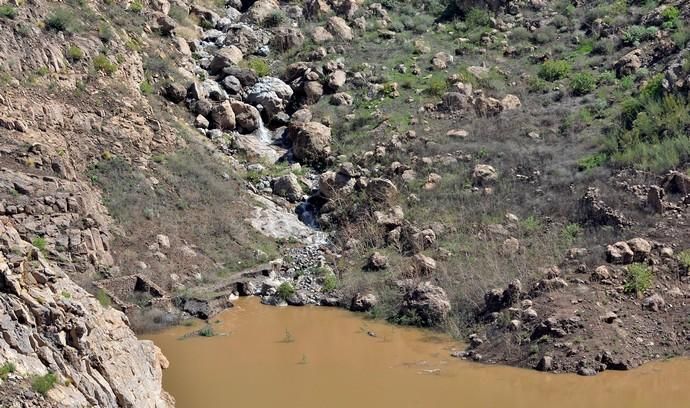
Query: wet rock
{"points": [[247, 117], [223, 116], [545, 364], [363, 302], [271, 93], [586, 371], [288, 187]]}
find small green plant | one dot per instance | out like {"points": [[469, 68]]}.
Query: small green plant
{"points": [[591, 161], [285, 290], [206, 331], [330, 282], [44, 383], [638, 279], [101, 63], [105, 32], [671, 16], [636, 34], [66, 294], [259, 66], [553, 70], [531, 224], [684, 258], [6, 369], [103, 298], [274, 19], [7, 11], [477, 18], [437, 86], [62, 20], [570, 232], [136, 6], [288, 338], [40, 244], [145, 87], [74, 53], [582, 83]]}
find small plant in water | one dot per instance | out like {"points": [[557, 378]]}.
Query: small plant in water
{"points": [[206, 331], [288, 338], [304, 360]]}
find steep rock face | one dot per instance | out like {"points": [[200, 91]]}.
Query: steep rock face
{"points": [[50, 324]]}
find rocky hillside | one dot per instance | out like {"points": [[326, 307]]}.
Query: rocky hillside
{"points": [[402, 159]]}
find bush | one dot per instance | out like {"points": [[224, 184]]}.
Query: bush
{"points": [[684, 258], [604, 46], [285, 290], [40, 244], [103, 298], [570, 232], [74, 53], [136, 6], [44, 383], [259, 66], [7, 11], [477, 18], [330, 282], [671, 16], [145, 87], [554, 70], [62, 20], [102, 64], [582, 83], [275, 19], [638, 279], [206, 331], [636, 34], [105, 33], [592, 161], [437, 86], [6, 369]]}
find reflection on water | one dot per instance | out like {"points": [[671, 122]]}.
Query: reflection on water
{"points": [[316, 357]]}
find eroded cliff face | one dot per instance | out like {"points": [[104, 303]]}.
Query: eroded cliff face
{"points": [[51, 325]]}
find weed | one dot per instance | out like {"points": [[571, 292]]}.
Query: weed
{"points": [[554, 70], [7, 11], [44, 383], [40, 244], [285, 290], [103, 298], [288, 338], [330, 283], [6, 369], [136, 6], [274, 19], [638, 279], [259, 66], [684, 258], [636, 34], [74, 53], [145, 87], [570, 232], [591, 161], [582, 83], [101, 63], [206, 331], [62, 20]]}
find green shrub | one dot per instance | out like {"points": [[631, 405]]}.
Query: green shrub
{"points": [[592, 161], [206, 331], [103, 298], [6, 369], [259, 66], [330, 282], [136, 6], [570, 232], [554, 70], [582, 83], [44, 383], [101, 63], [274, 19], [638, 279], [7, 11], [437, 86], [105, 33], [40, 244], [477, 18], [62, 20], [285, 290], [604, 46], [74, 53], [671, 16], [178, 13], [636, 34], [145, 87], [684, 258]]}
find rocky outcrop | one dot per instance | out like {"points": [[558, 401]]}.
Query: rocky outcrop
{"points": [[50, 324]]}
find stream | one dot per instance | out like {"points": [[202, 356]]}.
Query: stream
{"points": [[312, 357]]}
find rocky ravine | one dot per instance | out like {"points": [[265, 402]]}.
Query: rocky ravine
{"points": [[49, 324]]}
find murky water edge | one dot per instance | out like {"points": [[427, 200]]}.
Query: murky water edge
{"points": [[321, 357]]}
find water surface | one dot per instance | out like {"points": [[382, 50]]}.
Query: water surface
{"points": [[314, 357]]}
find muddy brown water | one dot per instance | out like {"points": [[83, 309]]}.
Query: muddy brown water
{"points": [[313, 357]]}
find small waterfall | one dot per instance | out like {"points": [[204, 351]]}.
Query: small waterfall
{"points": [[263, 133]]}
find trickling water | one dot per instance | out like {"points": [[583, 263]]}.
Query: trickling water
{"points": [[263, 134]]}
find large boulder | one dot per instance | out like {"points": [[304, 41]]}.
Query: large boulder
{"points": [[175, 92], [286, 38], [381, 190], [484, 175], [271, 93], [311, 141], [339, 28], [247, 117], [223, 117], [363, 302], [425, 304], [225, 57], [288, 187]]}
